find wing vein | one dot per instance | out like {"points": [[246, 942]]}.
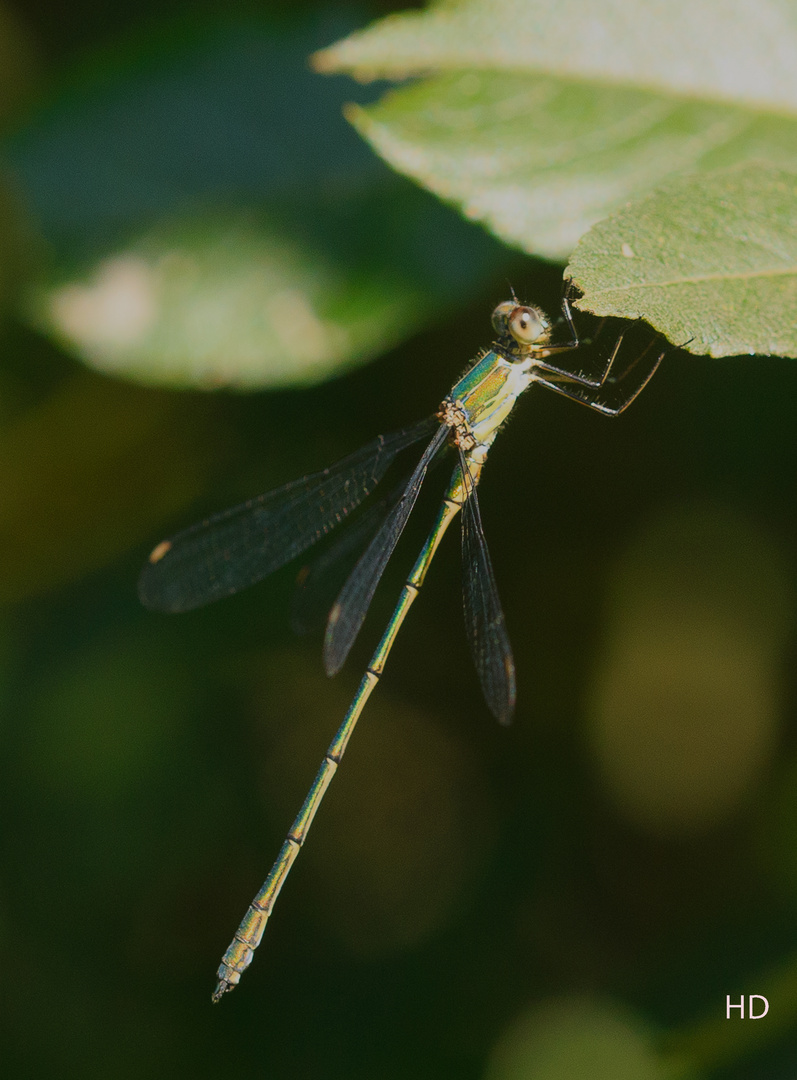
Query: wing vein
{"points": [[241, 546], [348, 612], [485, 625]]}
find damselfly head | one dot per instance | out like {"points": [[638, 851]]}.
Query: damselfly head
{"points": [[521, 324]]}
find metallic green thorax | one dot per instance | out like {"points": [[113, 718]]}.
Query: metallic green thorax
{"points": [[488, 393]]}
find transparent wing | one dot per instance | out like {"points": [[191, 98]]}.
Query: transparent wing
{"points": [[319, 582], [348, 612], [241, 546], [484, 619]]}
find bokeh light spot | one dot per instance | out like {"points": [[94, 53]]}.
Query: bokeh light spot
{"points": [[114, 310], [685, 705], [577, 1038]]}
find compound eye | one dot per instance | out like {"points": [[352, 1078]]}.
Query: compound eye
{"points": [[501, 317], [527, 325]]}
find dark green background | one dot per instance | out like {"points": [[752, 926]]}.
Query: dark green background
{"points": [[459, 873]]}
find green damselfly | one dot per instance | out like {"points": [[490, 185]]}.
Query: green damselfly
{"points": [[240, 546]]}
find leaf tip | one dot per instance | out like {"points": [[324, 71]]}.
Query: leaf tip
{"points": [[323, 61], [335, 60], [355, 114]]}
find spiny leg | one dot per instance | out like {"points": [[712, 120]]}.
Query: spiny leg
{"points": [[571, 346], [580, 394], [617, 379], [575, 341], [249, 934], [582, 380]]}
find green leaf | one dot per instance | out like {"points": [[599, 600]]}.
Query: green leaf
{"points": [[213, 221], [540, 119], [702, 258], [681, 47], [232, 299]]}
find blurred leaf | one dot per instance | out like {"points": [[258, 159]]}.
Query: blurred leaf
{"points": [[682, 47], [566, 1038], [687, 699], [231, 299], [546, 117], [88, 473], [213, 221], [701, 258]]}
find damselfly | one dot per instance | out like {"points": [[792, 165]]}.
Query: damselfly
{"points": [[239, 547]]}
